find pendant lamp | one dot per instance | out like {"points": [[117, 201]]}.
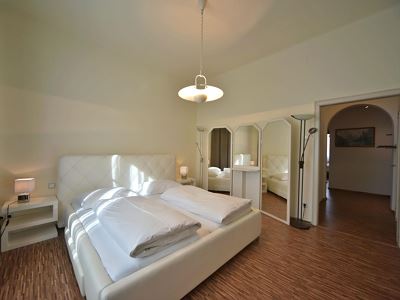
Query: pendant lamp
{"points": [[201, 92]]}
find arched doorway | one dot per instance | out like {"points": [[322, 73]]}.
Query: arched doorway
{"points": [[359, 173]]}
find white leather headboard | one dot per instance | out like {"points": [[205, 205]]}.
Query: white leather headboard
{"points": [[78, 174], [274, 164]]}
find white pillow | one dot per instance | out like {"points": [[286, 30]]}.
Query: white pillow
{"points": [[227, 170], [89, 200], [157, 187], [224, 174], [213, 171], [281, 176]]}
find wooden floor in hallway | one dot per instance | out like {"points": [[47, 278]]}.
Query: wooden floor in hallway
{"points": [[360, 214]]}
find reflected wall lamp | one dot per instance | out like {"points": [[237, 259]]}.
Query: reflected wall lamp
{"points": [[201, 92], [184, 170]]}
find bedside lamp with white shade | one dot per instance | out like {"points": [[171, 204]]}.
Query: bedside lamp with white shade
{"points": [[23, 187], [184, 170]]}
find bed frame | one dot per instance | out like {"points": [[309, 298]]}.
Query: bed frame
{"points": [[171, 277]]}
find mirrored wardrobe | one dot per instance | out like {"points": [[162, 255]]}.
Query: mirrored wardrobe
{"points": [[275, 160], [219, 160]]}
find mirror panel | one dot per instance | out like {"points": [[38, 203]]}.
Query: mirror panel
{"points": [[245, 148], [276, 157], [219, 161]]}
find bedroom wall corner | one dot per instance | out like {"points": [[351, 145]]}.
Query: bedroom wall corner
{"points": [[60, 95]]}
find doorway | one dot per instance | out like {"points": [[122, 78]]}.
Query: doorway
{"points": [[357, 185]]}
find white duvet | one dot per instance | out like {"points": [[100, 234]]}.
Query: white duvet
{"points": [[218, 208], [141, 226]]}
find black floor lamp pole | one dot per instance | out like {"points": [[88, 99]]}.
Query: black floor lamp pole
{"points": [[298, 222]]}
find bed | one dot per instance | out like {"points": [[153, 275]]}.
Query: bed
{"points": [[219, 180], [275, 174], [214, 244]]}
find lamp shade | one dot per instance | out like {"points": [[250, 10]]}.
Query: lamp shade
{"points": [[184, 170], [303, 117], [24, 185], [207, 94]]}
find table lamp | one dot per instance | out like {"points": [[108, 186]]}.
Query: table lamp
{"points": [[184, 170], [23, 187]]}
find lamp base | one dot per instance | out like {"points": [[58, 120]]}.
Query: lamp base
{"points": [[23, 198], [300, 224]]}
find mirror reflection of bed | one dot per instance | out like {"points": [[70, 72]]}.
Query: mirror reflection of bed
{"points": [[219, 171], [276, 169]]}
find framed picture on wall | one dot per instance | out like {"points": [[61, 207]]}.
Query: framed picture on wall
{"points": [[355, 137]]}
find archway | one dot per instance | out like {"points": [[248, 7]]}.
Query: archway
{"points": [[360, 171]]}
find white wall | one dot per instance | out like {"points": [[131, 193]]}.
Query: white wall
{"points": [[358, 58], [276, 138], [362, 169], [64, 96], [246, 142]]}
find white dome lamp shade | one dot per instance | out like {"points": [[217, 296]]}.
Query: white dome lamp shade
{"points": [[200, 92]]}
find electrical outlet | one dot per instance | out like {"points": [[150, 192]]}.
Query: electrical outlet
{"points": [[51, 186]]}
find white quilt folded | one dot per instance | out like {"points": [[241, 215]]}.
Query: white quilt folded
{"points": [[218, 208], [141, 226]]}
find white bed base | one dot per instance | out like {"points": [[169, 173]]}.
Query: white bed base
{"points": [[171, 277], [219, 184], [278, 187]]}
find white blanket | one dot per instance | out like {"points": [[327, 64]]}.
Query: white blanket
{"points": [[218, 208], [141, 226]]}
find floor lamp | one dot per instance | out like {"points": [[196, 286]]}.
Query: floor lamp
{"points": [[298, 222], [200, 130]]}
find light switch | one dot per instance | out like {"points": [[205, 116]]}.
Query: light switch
{"points": [[51, 185]]}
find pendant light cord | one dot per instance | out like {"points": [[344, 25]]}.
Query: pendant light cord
{"points": [[201, 41]]}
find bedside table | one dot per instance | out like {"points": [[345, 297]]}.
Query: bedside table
{"points": [[30, 222], [187, 181]]}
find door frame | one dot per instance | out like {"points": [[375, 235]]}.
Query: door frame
{"points": [[317, 160]]}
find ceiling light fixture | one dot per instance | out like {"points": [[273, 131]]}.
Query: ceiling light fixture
{"points": [[201, 92]]}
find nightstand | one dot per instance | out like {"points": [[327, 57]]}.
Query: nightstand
{"points": [[30, 222], [187, 181]]}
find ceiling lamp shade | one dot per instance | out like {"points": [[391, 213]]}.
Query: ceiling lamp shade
{"points": [[201, 92]]}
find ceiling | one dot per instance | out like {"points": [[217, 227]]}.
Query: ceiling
{"points": [[165, 33]]}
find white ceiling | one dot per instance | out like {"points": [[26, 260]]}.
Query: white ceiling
{"points": [[165, 33]]}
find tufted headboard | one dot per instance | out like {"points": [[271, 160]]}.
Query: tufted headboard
{"points": [[79, 174], [274, 164]]}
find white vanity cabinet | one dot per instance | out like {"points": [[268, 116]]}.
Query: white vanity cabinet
{"points": [[246, 184], [246, 164]]}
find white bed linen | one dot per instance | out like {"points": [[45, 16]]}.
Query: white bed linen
{"points": [[115, 261], [142, 226], [218, 208]]}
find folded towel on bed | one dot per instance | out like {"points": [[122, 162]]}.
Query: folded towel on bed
{"points": [[142, 226], [218, 208]]}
